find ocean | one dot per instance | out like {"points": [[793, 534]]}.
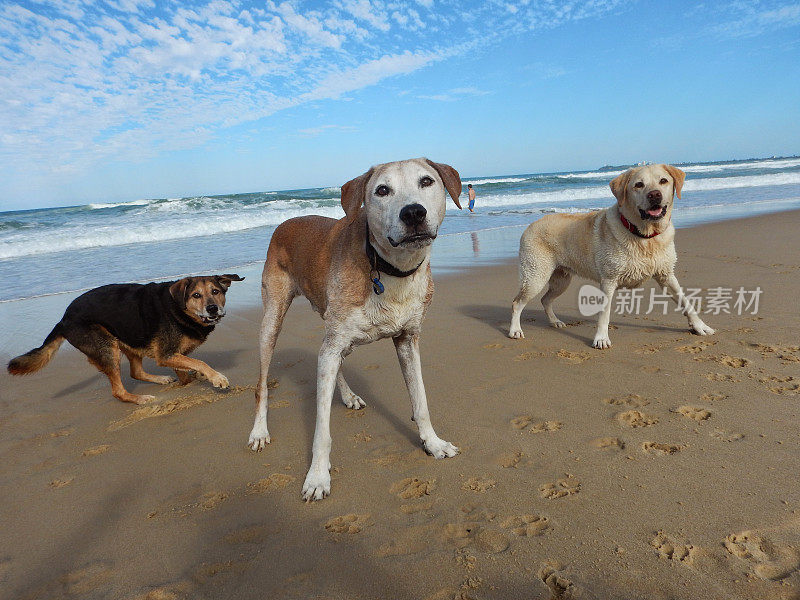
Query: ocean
{"points": [[55, 250]]}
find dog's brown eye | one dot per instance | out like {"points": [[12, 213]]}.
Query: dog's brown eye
{"points": [[663, 180], [382, 190], [425, 181], [196, 295], [214, 292], [638, 185]]}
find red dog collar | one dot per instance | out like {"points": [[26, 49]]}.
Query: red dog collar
{"points": [[632, 228]]}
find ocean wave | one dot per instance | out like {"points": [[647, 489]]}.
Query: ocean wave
{"points": [[216, 204], [498, 180], [13, 225], [569, 210], [554, 196], [137, 231], [577, 194], [152, 221], [741, 181], [198, 203], [590, 175], [787, 163], [102, 206]]}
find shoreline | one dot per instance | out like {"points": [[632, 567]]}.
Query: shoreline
{"points": [[698, 221], [69, 270], [453, 254]]}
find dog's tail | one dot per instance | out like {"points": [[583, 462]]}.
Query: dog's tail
{"points": [[32, 361]]}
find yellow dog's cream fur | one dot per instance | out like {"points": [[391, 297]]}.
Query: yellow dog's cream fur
{"points": [[599, 247]]}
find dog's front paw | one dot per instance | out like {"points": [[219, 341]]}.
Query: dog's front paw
{"points": [[601, 342], [515, 333], [317, 485], [438, 448], [257, 443], [218, 380], [558, 324], [259, 438], [701, 328], [353, 401], [163, 379], [142, 399]]}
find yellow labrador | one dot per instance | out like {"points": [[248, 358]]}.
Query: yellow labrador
{"points": [[621, 246]]}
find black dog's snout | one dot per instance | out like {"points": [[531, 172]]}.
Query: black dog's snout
{"points": [[654, 196], [212, 309], [413, 214]]}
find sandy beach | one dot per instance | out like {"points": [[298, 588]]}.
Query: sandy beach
{"points": [[663, 468]]}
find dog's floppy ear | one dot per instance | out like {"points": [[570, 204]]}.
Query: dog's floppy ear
{"points": [[178, 290], [353, 194], [619, 186], [678, 176], [224, 281], [450, 178]]}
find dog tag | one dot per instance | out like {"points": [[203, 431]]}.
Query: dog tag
{"points": [[377, 286]]}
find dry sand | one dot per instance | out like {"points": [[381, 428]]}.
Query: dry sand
{"points": [[666, 467]]}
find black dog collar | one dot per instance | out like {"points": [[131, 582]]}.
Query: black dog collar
{"points": [[379, 265]]}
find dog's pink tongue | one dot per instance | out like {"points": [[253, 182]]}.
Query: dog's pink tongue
{"points": [[654, 212]]}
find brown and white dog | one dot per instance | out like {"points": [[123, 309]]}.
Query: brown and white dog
{"points": [[621, 246], [368, 275]]}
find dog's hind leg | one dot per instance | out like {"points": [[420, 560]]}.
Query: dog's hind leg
{"points": [[559, 282], [103, 352], [138, 372], [350, 399], [277, 291], [533, 276]]}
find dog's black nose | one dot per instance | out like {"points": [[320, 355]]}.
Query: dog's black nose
{"points": [[654, 196], [212, 309], [413, 214]]}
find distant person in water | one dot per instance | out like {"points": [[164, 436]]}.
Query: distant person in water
{"points": [[471, 193]]}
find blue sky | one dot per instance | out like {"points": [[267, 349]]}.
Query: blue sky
{"points": [[128, 99]]}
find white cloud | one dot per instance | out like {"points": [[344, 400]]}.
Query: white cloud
{"points": [[750, 19], [372, 13], [84, 83], [455, 94], [437, 97], [310, 25], [370, 73], [469, 91], [417, 22], [400, 17]]}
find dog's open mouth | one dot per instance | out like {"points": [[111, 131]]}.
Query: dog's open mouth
{"points": [[654, 213], [415, 240], [210, 320]]}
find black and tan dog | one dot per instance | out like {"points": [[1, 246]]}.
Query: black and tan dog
{"points": [[164, 321]]}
